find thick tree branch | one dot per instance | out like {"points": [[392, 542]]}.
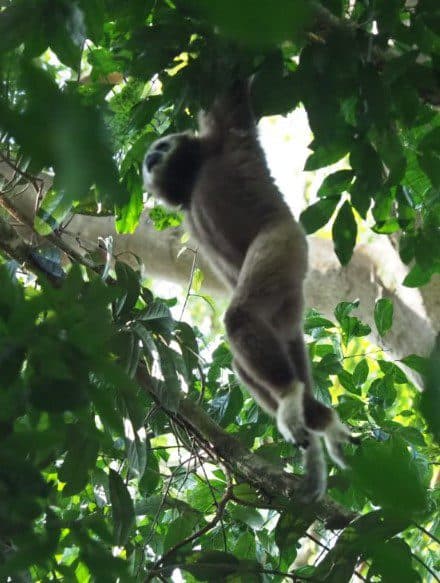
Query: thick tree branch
{"points": [[265, 476], [374, 271]]}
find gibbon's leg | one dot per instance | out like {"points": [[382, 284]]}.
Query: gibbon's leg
{"points": [[258, 391], [314, 483], [320, 419], [265, 279]]}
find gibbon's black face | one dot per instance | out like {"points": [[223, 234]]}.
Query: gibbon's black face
{"points": [[170, 168]]}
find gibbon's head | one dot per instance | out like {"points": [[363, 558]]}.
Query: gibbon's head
{"points": [[170, 167]]}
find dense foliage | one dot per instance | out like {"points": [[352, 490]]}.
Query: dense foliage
{"points": [[109, 469]]}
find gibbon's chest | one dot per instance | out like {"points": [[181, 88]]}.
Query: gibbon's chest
{"points": [[218, 236], [231, 202]]}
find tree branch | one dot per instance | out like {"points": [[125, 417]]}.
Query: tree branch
{"points": [[265, 476]]}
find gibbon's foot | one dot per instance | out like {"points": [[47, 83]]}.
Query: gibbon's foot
{"points": [[290, 416], [335, 435], [314, 483]]}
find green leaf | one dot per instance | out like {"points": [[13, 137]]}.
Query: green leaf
{"points": [[212, 566], [317, 215], [378, 467], [429, 156], [344, 233], [383, 315], [151, 478], [245, 547], [417, 277], [430, 399], [347, 381], [127, 216], [417, 363], [246, 492], [122, 509], [269, 24], [382, 392], [412, 435], [57, 130], [52, 211], [129, 283], [360, 373], [136, 451], [163, 218], [392, 561], [392, 370], [188, 346], [285, 94], [82, 451], [313, 321], [226, 406], [179, 529], [171, 388], [66, 32], [330, 364], [343, 309], [324, 155], [335, 184], [157, 318], [246, 514], [291, 526]]}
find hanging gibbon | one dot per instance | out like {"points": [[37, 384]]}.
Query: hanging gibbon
{"points": [[232, 207]]}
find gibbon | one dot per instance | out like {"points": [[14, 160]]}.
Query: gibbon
{"points": [[234, 210]]}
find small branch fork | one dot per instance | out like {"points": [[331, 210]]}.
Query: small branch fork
{"points": [[221, 506]]}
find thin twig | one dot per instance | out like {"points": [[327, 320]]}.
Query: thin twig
{"points": [[191, 277], [422, 562], [227, 496], [423, 529]]}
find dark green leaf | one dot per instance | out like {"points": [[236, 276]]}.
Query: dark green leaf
{"points": [[383, 392], [360, 373], [417, 277], [151, 478], [284, 96], [290, 528], [383, 315], [344, 233], [429, 156], [82, 451], [248, 515], [343, 309], [245, 547], [211, 565], [417, 363], [317, 215], [129, 283], [178, 530], [269, 25], [392, 370], [336, 184], [378, 467], [430, 399], [313, 321], [122, 508], [392, 560], [347, 381]]}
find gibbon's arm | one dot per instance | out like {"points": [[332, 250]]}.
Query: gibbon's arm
{"points": [[230, 111], [233, 208]]}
